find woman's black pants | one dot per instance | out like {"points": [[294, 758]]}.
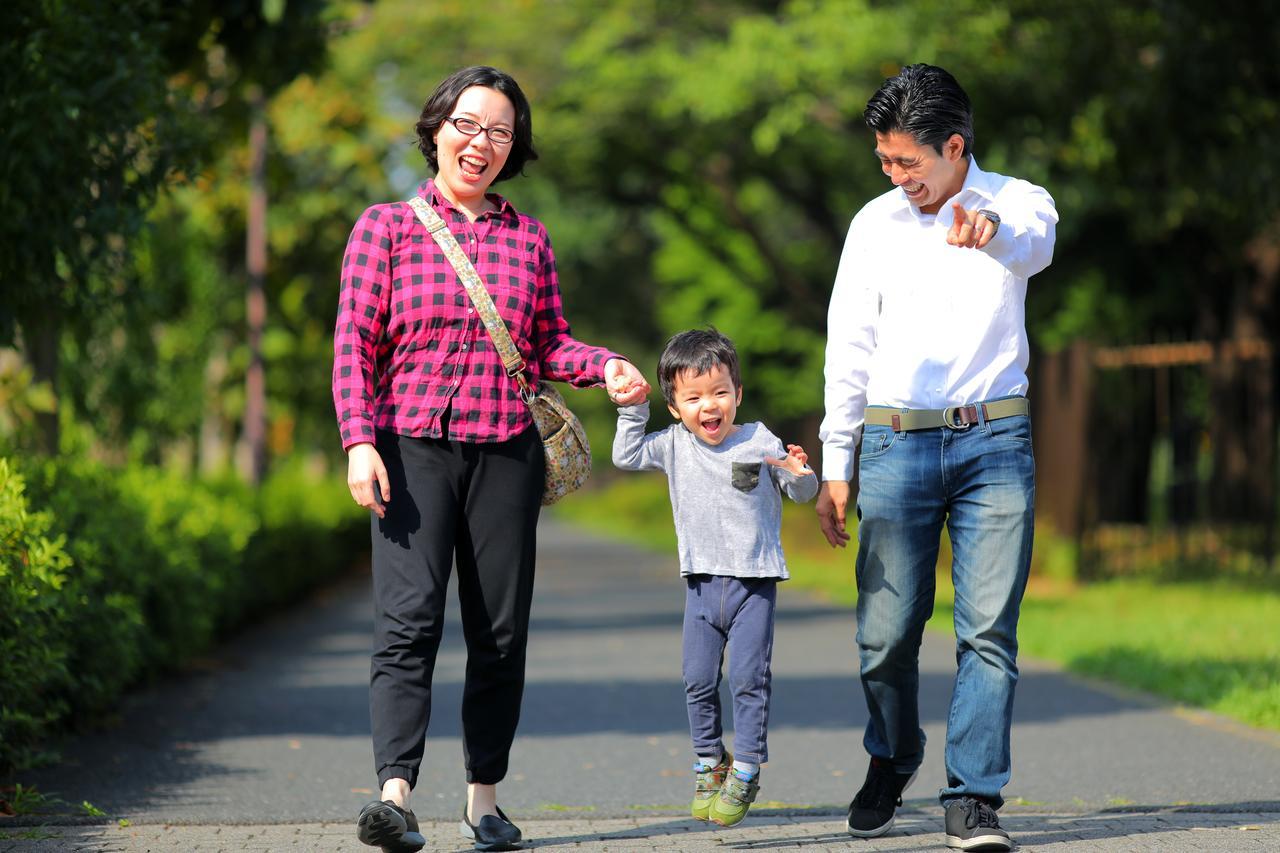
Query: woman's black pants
{"points": [[477, 503]]}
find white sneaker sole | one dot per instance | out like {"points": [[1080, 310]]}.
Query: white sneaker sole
{"points": [[871, 833], [980, 842]]}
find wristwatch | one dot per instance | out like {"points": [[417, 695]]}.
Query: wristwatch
{"points": [[993, 218]]}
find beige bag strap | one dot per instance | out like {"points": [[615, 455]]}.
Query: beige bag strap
{"points": [[512, 361]]}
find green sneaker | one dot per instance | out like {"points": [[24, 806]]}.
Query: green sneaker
{"points": [[707, 784], [736, 796]]}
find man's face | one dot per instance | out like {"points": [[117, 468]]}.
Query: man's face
{"points": [[927, 177]]}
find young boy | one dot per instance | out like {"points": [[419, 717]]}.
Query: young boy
{"points": [[725, 480]]}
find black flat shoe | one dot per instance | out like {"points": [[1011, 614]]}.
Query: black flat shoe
{"points": [[386, 825], [492, 833]]}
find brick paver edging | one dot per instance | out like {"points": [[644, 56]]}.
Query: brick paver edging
{"points": [[1164, 830]]}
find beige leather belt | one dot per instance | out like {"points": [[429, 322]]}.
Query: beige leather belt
{"points": [[953, 417]]}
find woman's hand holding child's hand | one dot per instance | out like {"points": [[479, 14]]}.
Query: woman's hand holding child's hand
{"points": [[626, 384], [797, 461]]}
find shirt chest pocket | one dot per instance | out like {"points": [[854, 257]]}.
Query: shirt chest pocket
{"points": [[746, 476], [512, 281], [978, 285]]}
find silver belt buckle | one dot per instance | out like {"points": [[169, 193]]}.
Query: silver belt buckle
{"points": [[948, 419]]}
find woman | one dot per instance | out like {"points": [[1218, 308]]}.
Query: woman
{"points": [[442, 450]]}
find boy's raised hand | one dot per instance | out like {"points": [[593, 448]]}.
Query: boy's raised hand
{"points": [[797, 461]]}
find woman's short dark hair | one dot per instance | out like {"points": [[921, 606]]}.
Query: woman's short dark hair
{"points": [[924, 101], [444, 100], [696, 351]]}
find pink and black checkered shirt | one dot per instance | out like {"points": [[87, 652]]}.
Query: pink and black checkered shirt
{"points": [[409, 345]]}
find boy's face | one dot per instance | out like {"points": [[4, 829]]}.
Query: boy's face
{"points": [[706, 403]]}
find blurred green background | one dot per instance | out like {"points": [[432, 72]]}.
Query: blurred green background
{"points": [[178, 180]]}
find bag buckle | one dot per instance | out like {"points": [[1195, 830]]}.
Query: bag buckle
{"points": [[527, 392], [958, 418]]}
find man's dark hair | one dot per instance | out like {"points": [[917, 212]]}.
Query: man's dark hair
{"points": [[444, 100], [924, 101], [696, 351]]}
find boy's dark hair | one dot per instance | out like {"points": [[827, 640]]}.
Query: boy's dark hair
{"points": [[696, 351], [444, 100], [924, 101]]}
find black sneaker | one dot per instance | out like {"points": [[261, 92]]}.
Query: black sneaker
{"points": [[411, 842], [386, 825], [872, 811], [973, 825]]}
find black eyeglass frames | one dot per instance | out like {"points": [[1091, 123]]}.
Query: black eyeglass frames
{"points": [[470, 127]]}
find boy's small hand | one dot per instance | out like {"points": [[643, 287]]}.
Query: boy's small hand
{"points": [[629, 394], [797, 461]]}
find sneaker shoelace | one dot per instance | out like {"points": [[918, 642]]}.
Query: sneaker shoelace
{"points": [[737, 789], [979, 814]]}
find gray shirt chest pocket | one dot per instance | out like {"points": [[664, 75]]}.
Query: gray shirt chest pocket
{"points": [[746, 476]]}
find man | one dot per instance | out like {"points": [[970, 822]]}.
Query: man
{"points": [[926, 365]]}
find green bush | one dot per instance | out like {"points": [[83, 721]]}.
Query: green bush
{"points": [[109, 574], [34, 628], [307, 531]]}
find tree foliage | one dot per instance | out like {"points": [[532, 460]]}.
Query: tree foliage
{"points": [[170, 364], [90, 134], [705, 162], [700, 164]]}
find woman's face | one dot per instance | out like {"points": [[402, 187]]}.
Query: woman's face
{"points": [[468, 164]]}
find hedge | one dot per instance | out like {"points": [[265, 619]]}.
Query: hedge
{"points": [[109, 575]]}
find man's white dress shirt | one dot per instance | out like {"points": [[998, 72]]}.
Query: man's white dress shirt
{"points": [[918, 324]]}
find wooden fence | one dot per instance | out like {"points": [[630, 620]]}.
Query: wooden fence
{"points": [[1177, 437]]}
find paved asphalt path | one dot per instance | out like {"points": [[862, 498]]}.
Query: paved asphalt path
{"points": [[271, 734]]}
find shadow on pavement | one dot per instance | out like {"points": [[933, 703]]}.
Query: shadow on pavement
{"points": [[305, 674]]}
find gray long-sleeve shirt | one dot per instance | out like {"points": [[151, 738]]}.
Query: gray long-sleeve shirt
{"points": [[725, 498]]}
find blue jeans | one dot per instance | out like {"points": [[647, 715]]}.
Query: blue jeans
{"points": [[980, 483], [737, 612]]}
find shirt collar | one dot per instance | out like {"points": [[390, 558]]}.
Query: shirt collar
{"points": [[977, 183], [431, 193]]}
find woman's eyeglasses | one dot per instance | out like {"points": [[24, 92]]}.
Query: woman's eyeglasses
{"points": [[468, 127]]}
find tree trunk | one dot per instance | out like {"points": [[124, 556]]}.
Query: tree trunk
{"points": [[1185, 429], [213, 451], [1242, 421], [1264, 317], [1122, 432], [253, 439], [41, 340], [1062, 396]]}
